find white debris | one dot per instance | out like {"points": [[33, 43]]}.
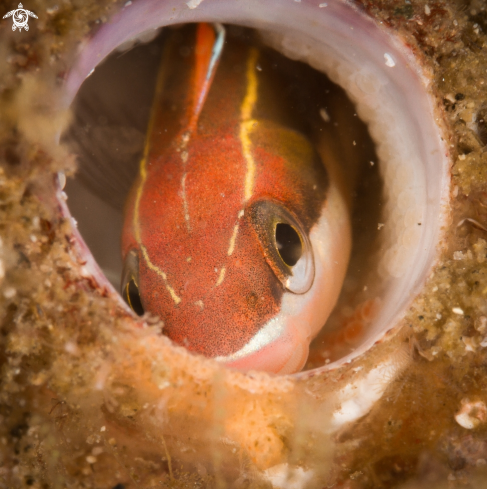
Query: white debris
{"points": [[458, 310], [389, 60], [324, 115], [284, 477], [9, 293], [465, 421], [321, 5], [193, 3], [61, 177], [358, 397], [71, 347], [427, 9], [458, 255], [481, 324], [471, 414], [471, 343], [435, 350]]}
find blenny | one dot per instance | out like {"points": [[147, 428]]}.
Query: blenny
{"points": [[236, 232]]}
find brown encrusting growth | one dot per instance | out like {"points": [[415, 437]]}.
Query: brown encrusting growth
{"points": [[90, 398]]}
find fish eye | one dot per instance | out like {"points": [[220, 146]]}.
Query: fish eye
{"points": [[285, 244], [130, 289], [132, 297], [288, 243]]}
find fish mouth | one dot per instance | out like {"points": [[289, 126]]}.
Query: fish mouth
{"points": [[393, 95]]}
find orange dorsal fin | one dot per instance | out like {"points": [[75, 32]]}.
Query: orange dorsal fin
{"points": [[209, 46]]}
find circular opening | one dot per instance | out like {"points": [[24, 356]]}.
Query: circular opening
{"points": [[108, 136], [401, 183]]}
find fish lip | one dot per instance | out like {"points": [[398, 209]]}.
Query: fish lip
{"points": [[143, 15]]}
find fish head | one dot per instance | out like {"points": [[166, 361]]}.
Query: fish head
{"points": [[237, 256]]}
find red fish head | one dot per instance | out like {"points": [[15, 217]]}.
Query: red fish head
{"points": [[234, 235], [247, 281]]}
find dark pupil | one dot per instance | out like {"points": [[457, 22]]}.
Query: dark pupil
{"points": [[132, 297], [288, 244]]}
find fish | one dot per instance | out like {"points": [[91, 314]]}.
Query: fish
{"points": [[236, 233]]}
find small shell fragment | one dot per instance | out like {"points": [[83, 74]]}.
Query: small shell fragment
{"points": [[389, 60], [472, 414]]}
